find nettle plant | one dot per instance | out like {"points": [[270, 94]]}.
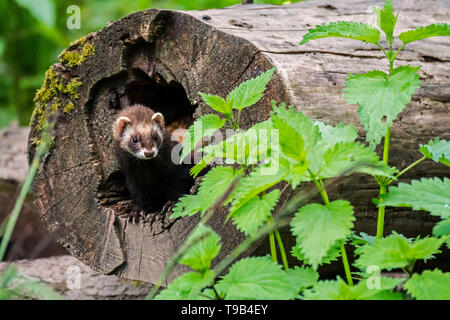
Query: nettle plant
{"points": [[250, 167]]}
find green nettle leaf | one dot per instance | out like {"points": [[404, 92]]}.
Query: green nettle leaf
{"points": [[437, 150], [442, 228], [217, 103], [249, 92], [386, 20], [187, 205], [299, 122], [302, 277], [430, 285], [332, 255], [381, 98], [343, 29], [291, 142], [187, 286], [432, 30], [340, 290], [430, 194], [202, 127], [317, 227], [252, 215], [395, 251], [257, 278], [350, 157], [217, 179], [341, 133], [363, 238], [256, 182], [200, 255]]}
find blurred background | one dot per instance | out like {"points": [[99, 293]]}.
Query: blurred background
{"points": [[34, 32]]}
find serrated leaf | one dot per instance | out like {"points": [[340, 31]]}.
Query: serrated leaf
{"points": [[187, 286], [249, 92], [437, 150], [332, 254], [291, 142], [200, 254], [217, 103], [299, 122], [381, 98], [430, 194], [252, 215], [350, 157], [257, 278], [386, 20], [202, 127], [432, 30], [302, 277], [363, 238], [337, 134], [430, 285], [253, 184], [395, 251], [442, 228], [317, 227], [218, 179], [343, 29], [187, 205], [339, 290]]}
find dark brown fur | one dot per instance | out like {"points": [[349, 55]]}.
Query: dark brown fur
{"points": [[152, 183]]}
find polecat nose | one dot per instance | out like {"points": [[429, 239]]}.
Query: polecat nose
{"points": [[149, 153]]}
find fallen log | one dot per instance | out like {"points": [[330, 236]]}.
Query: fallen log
{"points": [[75, 281], [164, 58], [30, 239]]}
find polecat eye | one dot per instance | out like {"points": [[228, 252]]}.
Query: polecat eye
{"points": [[134, 140], [155, 136]]}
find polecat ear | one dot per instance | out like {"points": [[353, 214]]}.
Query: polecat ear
{"points": [[159, 119], [121, 124]]}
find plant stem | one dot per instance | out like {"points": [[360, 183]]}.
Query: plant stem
{"points": [[282, 251], [399, 49], [409, 168], [382, 49], [382, 209], [324, 195], [273, 249], [387, 139], [346, 265], [322, 191], [238, 121]]}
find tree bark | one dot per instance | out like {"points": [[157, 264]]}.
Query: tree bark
{"points": [[164, 58]]}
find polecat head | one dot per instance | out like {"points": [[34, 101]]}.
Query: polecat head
{"points": [[139, 130]]}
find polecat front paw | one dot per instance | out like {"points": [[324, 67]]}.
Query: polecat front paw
{"points": [[168, 206], [134, 216]]}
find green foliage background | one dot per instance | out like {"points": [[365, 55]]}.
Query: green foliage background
{"points": [[34, 32]]}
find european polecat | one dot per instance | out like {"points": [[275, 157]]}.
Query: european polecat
{"points": [[143, 150]]}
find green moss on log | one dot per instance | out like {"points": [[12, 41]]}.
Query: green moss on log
{"points": [[77, 56], [52, 97]]}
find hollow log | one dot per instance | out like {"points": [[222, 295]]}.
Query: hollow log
{"points": [[162, 59]]}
